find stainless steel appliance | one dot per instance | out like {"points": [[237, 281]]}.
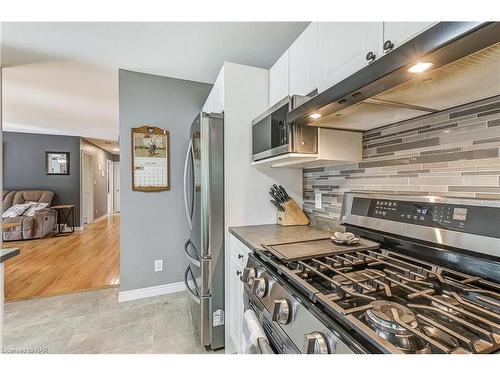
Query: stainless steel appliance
{"points": [[386, 91], [432, 287], [204, 204], [271, 136]]}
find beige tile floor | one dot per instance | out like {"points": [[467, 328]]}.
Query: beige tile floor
{"points": [[95, 322]]}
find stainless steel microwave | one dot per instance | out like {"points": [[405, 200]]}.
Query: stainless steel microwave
{"points": [[272, 136]]}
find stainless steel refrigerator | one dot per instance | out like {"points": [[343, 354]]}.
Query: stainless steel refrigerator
{"points": [[204, 203]]}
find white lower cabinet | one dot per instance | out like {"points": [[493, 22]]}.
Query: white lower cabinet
{"points": [[235, 308]]}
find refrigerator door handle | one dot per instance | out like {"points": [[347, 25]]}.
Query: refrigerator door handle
{"points": [[194, 260], [193, 293], [189, 210]]}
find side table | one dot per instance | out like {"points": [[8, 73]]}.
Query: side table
{"points": [[64, 212]]}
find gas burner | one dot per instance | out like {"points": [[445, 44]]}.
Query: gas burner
{"points": [[381, 318], [381, 315]]}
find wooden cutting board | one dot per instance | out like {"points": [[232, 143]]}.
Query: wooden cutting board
{"points": [[318, 248]]}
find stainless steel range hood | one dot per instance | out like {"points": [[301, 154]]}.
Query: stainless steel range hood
{"points": [[466, 68]]}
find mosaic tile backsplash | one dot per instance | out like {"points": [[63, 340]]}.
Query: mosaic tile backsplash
{"points": [[452, 153]]}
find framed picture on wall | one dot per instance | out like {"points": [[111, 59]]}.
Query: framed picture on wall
{"points": [[56, 163], [150, 159]]}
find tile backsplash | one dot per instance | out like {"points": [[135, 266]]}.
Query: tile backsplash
{"points": [[455, 152]]}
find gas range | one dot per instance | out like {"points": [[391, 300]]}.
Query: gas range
{"points": [[432, 287]]}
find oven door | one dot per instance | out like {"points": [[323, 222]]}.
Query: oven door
{"points": [[270, 133]]}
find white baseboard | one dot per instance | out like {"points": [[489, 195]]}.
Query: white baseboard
{"points": [[152, 291]]}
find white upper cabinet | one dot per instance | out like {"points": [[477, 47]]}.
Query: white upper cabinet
{"points": [[304, 62], [279, 79], [215, 100], [397, 33], [343, 49]]}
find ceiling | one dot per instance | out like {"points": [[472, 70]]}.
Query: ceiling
{"points": [[62, 78], [109, 146]]}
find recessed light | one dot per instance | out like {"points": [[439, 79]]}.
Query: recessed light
{"points": [[116, 149], [420, 67], [315, 116]]}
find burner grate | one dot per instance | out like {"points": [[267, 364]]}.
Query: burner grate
{"points": [[454, 312]]}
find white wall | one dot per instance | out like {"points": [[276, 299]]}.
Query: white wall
{"points": [[246, 95]]}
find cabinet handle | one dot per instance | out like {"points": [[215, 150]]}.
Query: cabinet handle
{"points": [[370, 57], [238, 273], [388, 45], [240, 256]]}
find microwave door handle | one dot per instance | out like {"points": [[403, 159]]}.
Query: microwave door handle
{"points": [[186, 204]]}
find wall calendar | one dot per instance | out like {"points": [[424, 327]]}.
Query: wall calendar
{"points": [[150, 159]]}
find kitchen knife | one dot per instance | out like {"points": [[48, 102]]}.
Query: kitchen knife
{"points": [[283, 191], [277, 195], [277, 205]]}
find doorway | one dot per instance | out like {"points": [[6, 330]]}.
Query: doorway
{"points": [[88, 182]]}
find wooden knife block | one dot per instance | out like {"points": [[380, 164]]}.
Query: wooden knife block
{"points": [[293, 215]]}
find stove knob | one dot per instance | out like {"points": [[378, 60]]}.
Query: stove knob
{"points": [[260, 287], [315, 343], [248, 276], [281, 311]]}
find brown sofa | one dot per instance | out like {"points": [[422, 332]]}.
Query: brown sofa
{"points": [[36, 226]]}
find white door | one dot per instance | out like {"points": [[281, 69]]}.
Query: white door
{"points": [[278, 79], [343, 47], [87, 188], [304, 62], [110, 185], [116, 186], [398, 33]]}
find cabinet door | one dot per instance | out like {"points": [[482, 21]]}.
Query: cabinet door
{"points": [[279, 79], [400, 32], [343, 47], [304, 62], [235, 320]]}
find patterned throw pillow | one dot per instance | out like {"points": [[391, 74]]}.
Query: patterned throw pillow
{"points": [[16, 210], [34, 208]]}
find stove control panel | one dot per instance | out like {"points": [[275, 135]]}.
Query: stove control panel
{"points": [[478, 220]]}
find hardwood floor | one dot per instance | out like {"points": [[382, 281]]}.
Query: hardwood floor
{"points": [[84, 260]]}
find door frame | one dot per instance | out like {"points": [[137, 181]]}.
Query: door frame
{"points": [[110, 186], [116, 183], [91, 156]]}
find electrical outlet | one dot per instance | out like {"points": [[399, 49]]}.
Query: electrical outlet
{"points": [[158, 265], [317, 201]]}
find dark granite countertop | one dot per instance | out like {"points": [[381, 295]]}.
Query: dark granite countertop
{"points": [[272, 234], [8, 253]]}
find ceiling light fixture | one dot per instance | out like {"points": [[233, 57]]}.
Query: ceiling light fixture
{"points": [[420, 67], [315, 116]]}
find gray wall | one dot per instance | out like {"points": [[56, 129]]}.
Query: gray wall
{"points": [[153, 225], [24, 166], [101, 186], [450, 153]]}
